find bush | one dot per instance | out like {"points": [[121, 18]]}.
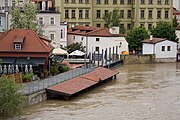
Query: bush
{"points": [[27, 77], [64, 68], [10, 99]]}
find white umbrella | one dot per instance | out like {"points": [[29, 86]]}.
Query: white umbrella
{"points": [[5, 69], [12, 69], [30, 69], [26, 69], [17, 69], [59, 51], [1, 71], [9, 69], [77, 53]]}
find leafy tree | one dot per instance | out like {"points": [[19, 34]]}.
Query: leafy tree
{"points": [[75, 46], [112, 19], [135, 37], [10, 99], [25, 19], [175, 22], [164, 30]]}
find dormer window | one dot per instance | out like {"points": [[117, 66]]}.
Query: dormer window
{"points": [[17, 46]]}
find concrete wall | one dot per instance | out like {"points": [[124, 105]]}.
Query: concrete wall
{"points": [[35, 98]]}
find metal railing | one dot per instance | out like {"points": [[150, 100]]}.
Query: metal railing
{"points": [[36, 86]]}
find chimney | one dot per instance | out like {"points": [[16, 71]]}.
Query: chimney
{"points": [[114, 30], [151, 37]]}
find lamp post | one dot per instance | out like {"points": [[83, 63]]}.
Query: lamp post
{"points": [[86, 52]]}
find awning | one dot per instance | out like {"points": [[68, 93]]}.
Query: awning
{"points": [[7, 60], [58, 58], [31, 61]]}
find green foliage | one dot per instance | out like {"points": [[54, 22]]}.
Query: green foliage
{"points": [[54, 67], [112, 19], [175, 22], [25, 19], [164, 30], [27, 77], [64, 68], [135, 37], [10, 99], [75, 46]]}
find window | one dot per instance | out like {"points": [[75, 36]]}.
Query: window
{"points": [[41, 21], [150, 26], [159, 14], [52, 36], [98, 25], [66, 13], [129, 1], [73, 1], [17, 46], [87, 1], [80, 13], [106, 25], [142, 2], [52, 21], [74, 37], [80, 1], [158, 2], [66, 1], [150, 14], [98, 14], [166, 2], [97, 39], [121, 13], [105, 1], [73, 14], [163, 48], [142, 14], [82, 38], [98, 1], [128, 26], [150, 1], [61, 34], [87, 14], [114, 1], [141, 24], [168, 48], [0, 22], [97, 48], [166, 14], [121, 1], [106, 13], [129, 14], [13, 3]]}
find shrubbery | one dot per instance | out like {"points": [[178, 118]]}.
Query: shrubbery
{"points": [[27, 77]]}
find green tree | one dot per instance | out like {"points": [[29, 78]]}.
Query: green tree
{"points": [[164, 30], [10, 99], [112, 19], [135, 37], [175, 22], [75, 46], [25, 19]]}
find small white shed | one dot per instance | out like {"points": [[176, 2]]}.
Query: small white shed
{"points": [[161, 47]]}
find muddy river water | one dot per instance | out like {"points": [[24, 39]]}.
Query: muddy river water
{"points": [[141, 92]]}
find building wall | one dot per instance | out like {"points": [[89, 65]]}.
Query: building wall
{"points": [[126, 21], [166, 54], [148, 48], [178, 36], [103, 43], [2, 23]]}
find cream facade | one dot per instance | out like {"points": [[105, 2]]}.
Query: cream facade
{"points": [[138, 13]]}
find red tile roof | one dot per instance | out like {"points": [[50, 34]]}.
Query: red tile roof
{"points": [[155, 40], [31, 41], [92, 31], [175, 12], [1, 34]]}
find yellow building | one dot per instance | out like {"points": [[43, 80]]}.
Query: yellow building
{"points": [[133, 12]]}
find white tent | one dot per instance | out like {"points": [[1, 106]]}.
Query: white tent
{"points": [[77, 53], [59, 51]]}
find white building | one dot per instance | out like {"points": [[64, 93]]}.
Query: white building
{"points": [[96, 39], [161, 47]]}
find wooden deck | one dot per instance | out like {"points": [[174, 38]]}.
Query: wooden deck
{"points": [[80, 83]]}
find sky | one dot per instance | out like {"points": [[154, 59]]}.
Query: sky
{"points": [[176, 4]]}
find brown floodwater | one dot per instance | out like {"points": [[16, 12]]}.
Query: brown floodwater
{"points": [[141, 92]]}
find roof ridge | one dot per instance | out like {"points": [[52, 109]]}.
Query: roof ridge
{"points": [[96, 30]]}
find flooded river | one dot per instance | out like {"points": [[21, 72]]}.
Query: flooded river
{"points": [[141, 92]]}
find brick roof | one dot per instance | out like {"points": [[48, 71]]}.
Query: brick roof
{"points": [[31, 41], [1, 34], [155, 40], [175, 12], [92, 31]]}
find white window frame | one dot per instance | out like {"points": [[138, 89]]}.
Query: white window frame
{"points": [[50, 36], [39, 21], [17, 46], [52, 21]]}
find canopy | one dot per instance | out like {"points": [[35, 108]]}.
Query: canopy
{"points": [[77, 53], [59, 51]]}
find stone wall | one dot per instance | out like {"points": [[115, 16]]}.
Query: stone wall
{"points": [[138, 59], [35, 98], [165, 60]]}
